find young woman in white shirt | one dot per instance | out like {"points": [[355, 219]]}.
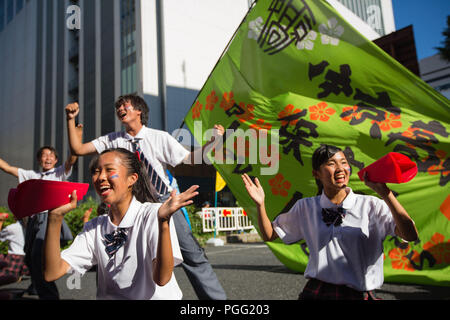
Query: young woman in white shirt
{"points": [[344, 231], [134, 246]]}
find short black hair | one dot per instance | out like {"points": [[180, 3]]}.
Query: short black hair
{"points": [[320, 156], [137, 102], [41, 149]]}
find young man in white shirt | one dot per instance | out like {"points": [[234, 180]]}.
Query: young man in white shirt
{"points": [[47, 158], [157, 149]]}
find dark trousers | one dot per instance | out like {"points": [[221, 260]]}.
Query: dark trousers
{"points": [[34, 254], [195, 264]]}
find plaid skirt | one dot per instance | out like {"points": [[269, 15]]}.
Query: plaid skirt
{"points": [[13, 265], [318, 290]]}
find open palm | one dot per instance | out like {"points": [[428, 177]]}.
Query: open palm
{"points": [[176, 201], [255, 190]]}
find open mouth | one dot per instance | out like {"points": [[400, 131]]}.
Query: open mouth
{"points": [[105, 190], [122, 115], [339, 178]]}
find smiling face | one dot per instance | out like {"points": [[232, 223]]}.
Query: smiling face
{"points": [[111, 179], [126, 113], [334, 173], [47, 160]]}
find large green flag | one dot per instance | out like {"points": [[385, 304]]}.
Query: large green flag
{"points": [[297, 75]]}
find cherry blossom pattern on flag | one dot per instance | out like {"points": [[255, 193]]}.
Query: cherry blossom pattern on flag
{"points": [[308, 42], [227, 100], [279, 185], [289, 110], [354, 115], [196, 110], [439, 168], [391, 121], [321, 112], [330, 32], [399, 259], [439, 248], [255, 28], [211, 100]]}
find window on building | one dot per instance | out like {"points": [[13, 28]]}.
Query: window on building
{"points": [[2, 14], [9, 10], [19, 5], [128, 47]]}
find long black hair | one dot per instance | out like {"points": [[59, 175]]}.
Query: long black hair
{"points": [[320, 156], [143, 190]]}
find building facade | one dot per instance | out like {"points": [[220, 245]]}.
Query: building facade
{"points": [[53, 52], [436, 72]]}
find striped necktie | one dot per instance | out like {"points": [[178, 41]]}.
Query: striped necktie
{"points": [[155, 179], [114, 240]]}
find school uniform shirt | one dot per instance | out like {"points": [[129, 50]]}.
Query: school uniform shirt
{"points": [[350, 254], [55, 174], [129, 273], [14, 233], [158, 147]]}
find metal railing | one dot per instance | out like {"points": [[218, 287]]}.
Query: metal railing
{"points": [[225, 219]]}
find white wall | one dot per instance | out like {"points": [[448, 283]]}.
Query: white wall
{"points": [[196, 33]]}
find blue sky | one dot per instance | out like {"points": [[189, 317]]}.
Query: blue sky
{"points": [[429, 19]]}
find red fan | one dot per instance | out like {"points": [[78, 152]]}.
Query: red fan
{"points": [[34, 196], [392, 168]]}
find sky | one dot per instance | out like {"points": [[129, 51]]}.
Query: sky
{"points": [[429, 19]]}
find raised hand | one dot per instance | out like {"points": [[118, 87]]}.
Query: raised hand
{"points": [[380, 188], [62, 210], [255, 190], [175, 202], [219, 129], [72, 110]]}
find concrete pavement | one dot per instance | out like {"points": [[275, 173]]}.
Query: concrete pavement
{"points": [[247, 272]]}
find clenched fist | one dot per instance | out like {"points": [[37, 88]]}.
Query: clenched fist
{"points": [[72, 110]]}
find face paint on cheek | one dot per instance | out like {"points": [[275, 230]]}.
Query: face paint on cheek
{"points": [[349, 169], [113, 175]]}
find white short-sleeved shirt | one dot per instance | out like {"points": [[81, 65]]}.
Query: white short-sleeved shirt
{"points": [[14, 233], [350, 254], [129, 273], [55, 174], [158, 147]]}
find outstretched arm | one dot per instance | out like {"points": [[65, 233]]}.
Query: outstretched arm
{"points": [[8, 168], [73, 158], [214, 142], [256, 192], [77, 147], [163, 264], [54, 266], [405, 227]]}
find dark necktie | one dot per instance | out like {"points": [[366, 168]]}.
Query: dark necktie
{"points": [[114, 240], [46, 173], [155, 179], [333, 217]]}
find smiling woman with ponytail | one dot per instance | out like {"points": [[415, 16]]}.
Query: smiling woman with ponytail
{"points": [[344, 231], [134, 245]]}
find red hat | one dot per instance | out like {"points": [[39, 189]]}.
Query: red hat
{"points": [[392, 168], [34, 196]]}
